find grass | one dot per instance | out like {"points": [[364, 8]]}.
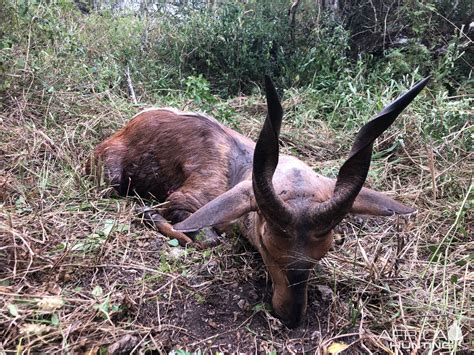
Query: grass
{"points": [[387, 283]]}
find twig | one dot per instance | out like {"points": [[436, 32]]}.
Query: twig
{"points": [[292, 15], [130, 85], [429, 151]]}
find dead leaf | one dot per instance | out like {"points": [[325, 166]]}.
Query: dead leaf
{"points": [[53, 288], [125, 344], [4, 288], [34, 329], [50, 303], [336, 348], [92, 351]]}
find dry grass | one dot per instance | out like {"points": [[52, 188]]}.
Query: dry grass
{"points": [[79, 272]]}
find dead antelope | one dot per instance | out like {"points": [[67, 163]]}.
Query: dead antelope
{"points": [[212, 176]]}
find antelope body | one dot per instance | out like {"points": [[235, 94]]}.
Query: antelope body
{"points": [[212, 176]]}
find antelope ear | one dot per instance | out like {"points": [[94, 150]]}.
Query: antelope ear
{"points": [[223, 209], [370, 202]]}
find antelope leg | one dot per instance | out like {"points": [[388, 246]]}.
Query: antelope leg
{"points": [[158, 222]]}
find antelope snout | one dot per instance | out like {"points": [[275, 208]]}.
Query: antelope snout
{"points": [[290, 299]]}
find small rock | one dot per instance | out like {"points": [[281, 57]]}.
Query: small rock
{"points": [[253, 294], [315, 335], [212, 324], [175, 253], [156, 244], [325, 292], [243, 305], [212, 267], [338, 238]]}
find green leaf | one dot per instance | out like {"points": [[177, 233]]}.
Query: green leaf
{"points": [[55, 319], [97, 291], [103, 307], [13, 310], [86, 206], [261, 307], [78, 247], [109, 225], [173, 242], [179, 352], [121, 228], [20, 63], [20, 202], [21, 205]]}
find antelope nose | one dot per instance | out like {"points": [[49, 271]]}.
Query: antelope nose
{"points": [[292, 311], [292, 322], [292, 318]]}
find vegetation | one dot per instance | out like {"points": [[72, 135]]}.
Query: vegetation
{"points": [[79, 272]]}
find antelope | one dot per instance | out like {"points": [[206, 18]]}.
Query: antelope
{"points": [[212, 178]]}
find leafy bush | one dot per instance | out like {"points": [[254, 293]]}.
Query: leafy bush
{"points": [[231, 45]]}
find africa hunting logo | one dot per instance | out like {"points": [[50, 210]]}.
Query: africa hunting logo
{"points": [[426, 339]]}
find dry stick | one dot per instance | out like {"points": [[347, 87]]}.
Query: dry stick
{"points": [[292, 20], [158, 290], [130, 85], [429, 151], [120, 266], [385, 26], [320, 9], [451, 23], [376, 341], [37, 297], [375, 15], [139, 343], [153, 340], [32, 254], [25, 67]]}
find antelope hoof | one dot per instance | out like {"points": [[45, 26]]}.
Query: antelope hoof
{"points": [[205, 237]]}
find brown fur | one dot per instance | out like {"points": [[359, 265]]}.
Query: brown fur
{"points": [[191, 160], [212, 176], [171, 156]]}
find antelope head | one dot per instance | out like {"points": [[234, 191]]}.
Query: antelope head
{"points": [[288, 212]]}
